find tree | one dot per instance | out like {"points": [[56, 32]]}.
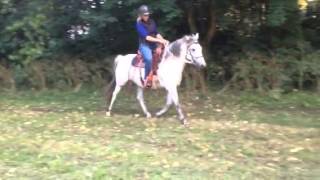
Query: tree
{"points": [[23, 33]]}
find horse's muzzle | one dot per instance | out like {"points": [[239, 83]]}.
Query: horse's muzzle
{"points": [[201, 66]]}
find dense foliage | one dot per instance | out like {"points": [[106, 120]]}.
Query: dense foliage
{"points": [[249, 44]]}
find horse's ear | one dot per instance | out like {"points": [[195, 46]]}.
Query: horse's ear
{"points": [[187, 38], [195, 36]]}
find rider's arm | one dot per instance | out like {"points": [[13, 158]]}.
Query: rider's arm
{"points": [[159, 36], [144, 34], [164, 41], [153, 39]]}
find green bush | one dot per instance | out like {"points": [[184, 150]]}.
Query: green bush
{"points": [[67, 73], [284, 70]]}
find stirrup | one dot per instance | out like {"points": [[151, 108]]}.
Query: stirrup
{"points": [[149, 80], [148, 83]]}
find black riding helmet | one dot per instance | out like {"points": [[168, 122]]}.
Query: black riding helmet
{"points": [[144, 10]]}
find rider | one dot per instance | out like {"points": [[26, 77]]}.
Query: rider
{"points": [[149, 39]]}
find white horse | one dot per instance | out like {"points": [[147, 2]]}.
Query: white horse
{"points": [[175, 56]]}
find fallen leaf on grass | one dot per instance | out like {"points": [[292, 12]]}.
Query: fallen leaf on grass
{"points": [[150, 129], [276, 159], [166, 166], [296, 149], [175, 164], [265, 168], [210, 155], [27, 123], [129, 136], [293, 159]]}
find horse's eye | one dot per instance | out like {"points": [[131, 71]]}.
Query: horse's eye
{"points": [[193, 50]]}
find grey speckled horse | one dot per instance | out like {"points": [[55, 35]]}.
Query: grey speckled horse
{"points": [[176, 55]]}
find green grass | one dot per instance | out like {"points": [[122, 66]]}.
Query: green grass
{"points": [[65, 135]]}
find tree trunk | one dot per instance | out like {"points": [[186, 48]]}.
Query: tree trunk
{"points": [[199, 76], [191, 21], [211, 29]]}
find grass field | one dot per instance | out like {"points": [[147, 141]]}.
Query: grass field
{"points": [[65, 135]]}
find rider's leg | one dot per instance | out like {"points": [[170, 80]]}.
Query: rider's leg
{"points": [[156, 58], [146, 52]]}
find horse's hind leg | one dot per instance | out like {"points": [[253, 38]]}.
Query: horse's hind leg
{"points": [[114, 96], [141, 101], [166, 106]]}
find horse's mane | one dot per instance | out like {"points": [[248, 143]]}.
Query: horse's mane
{"points": [[174, 48]]}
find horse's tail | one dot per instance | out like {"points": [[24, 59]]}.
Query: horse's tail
{"points": [[112, 84]]}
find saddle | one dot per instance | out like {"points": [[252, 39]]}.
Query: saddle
{"points": [[156, 58]]}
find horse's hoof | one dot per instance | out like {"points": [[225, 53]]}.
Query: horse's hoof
{"points": [[157, 115], [108, 114], [149, 115], [136, 115], [184, 121]]}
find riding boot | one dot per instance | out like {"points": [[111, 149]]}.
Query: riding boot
{"points": [[148, 81]]}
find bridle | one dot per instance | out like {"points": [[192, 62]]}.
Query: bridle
{"points": [[190, 59]]}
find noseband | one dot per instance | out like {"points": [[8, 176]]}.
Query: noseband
{"points": [[189, 57]]}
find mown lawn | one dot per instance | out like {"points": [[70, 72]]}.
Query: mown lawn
{"points": [[65, 135]]}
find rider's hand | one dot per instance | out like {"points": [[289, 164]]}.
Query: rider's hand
{"points": [[164, 42]]}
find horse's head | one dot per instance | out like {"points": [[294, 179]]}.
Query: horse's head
{"points": [[194, 51]]}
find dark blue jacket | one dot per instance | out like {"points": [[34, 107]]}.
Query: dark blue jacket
{"points": [[145, 29]]}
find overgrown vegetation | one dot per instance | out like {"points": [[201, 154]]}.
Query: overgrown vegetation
{"points": [[261, 45]]}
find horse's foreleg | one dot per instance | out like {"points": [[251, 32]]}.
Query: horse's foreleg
{"points": [[114, 96], [166, 106], [141, 101], [175, 98]]}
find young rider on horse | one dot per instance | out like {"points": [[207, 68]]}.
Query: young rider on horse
{"points": [[149, 39]]}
